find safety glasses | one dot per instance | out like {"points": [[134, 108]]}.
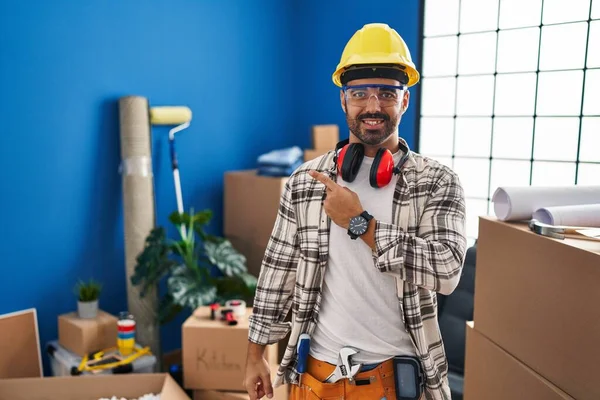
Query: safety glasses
{"points": [[387, 95]]}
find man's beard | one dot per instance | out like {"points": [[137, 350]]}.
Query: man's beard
{"points": [[372, 136]]}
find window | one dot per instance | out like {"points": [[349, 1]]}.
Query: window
{"points": [[510, 94]]}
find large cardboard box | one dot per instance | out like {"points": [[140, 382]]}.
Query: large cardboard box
{"points": [[91, 387], [280, 393], [84, 387], [218, 395], [311, 154], [214, 353], [83, 336], [537, 298], [493, 374], [252, 250], [325, 137], [250, 209]]}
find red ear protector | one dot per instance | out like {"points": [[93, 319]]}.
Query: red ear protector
{"points": [[349, 158]]}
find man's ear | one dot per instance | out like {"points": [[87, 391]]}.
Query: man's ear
{"points": [[405, 101], [343, 101]]}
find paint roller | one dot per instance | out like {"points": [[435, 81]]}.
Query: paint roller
{"points": [[179, 117]]}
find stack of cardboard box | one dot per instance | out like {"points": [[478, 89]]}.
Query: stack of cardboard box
{"points": [[324, 139], [214, 357], [536, 317]]}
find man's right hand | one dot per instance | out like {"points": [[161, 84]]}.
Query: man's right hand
{"points": [[258, 374]]}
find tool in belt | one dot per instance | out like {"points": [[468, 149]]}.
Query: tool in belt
{"points": [[408, 376]]}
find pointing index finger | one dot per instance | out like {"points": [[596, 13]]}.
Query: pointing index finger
{"points": [[330, 184]]}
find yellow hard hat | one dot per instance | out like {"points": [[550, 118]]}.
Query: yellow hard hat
{"points": [[376, 44]]}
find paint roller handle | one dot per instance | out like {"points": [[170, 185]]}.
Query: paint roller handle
{"points": [[174, 163]]}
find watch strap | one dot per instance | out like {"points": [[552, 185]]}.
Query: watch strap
{"points": [[366, 215]]}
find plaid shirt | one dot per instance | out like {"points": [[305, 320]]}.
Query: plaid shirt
{"points": [[425, 248]]}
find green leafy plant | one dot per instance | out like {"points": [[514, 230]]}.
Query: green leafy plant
{"points": [[201, 269], [88, 291]]}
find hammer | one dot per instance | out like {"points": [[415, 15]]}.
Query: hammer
{"points": [[557, 232]]}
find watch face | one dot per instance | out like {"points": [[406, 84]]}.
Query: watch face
{"points": [[358, 225]]}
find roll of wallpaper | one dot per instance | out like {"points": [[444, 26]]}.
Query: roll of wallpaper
{"points": [[582, 215], [520, 202], [139, 210]]}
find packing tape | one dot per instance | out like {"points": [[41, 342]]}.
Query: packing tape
{"points": [[237, 306], [138, 166]]}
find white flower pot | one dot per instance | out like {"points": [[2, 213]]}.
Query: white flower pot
{"points": [[87, 309]]}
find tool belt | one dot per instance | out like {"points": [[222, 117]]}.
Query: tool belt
{"points": [[389, 379]]}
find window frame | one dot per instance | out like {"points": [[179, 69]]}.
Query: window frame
{"points": [[536, 115]]}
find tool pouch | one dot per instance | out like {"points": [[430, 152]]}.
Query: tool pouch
{"points": [[408, 378], [312, 389], [307, 393]]}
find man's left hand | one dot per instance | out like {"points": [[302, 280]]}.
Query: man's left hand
{"points": [[341, 203]]}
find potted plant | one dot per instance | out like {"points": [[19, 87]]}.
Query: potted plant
{"points": [[87, 298], [200, 269]]}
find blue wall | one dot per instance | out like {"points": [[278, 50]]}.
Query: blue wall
{"points": [[256, 75]]}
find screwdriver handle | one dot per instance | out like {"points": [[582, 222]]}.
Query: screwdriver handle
{"points": [[303, 347]]}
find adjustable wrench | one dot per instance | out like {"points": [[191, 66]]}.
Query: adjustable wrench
{"points": [[344, 369]]}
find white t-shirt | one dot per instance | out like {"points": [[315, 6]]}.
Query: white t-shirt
{"points": [[359, 307]]}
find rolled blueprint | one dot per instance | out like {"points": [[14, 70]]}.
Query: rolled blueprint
{"points": [[139, 210], [582, 215], [516, 203]]}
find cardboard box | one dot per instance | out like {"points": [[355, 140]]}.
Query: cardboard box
{"points": [[493, 374], [214, 353], [325, 137], [251, 203], [252, 250], [280, 393], [89, 387], [216, 395], [83, 336], [20, 345], [311, 154], [129, 386], [536, 297], [171, 358]]}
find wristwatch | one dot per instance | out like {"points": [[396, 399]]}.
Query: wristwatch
{"points": [[359, 225]]}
